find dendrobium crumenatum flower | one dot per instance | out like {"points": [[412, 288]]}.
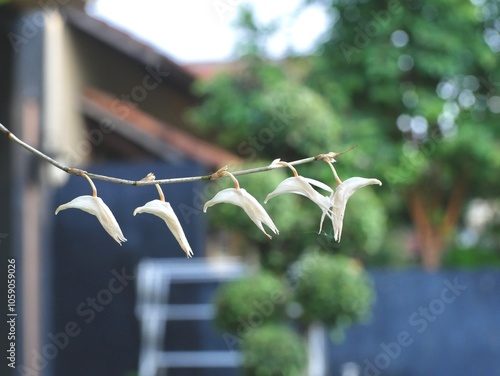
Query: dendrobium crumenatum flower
{"points": [[240, 197], [95, 206], [303, 186], [333, 205], [343, 192], [164, 210]]}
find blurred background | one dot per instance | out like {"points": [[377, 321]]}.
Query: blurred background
{"points": [[126, 88]]}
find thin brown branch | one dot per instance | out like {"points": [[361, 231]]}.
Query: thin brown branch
{"points": [[111, 179]]}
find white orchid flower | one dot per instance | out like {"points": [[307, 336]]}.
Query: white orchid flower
{"points": [[240, 197], [304, 186], [343, 192], [164, 210], [95, 206]]}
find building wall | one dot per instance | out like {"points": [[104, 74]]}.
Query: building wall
{"points": [[62, 85], [149, 86], [6, 209]]}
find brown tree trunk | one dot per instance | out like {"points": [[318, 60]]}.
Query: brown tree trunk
{"points": [[432, 235], [428, 235]]}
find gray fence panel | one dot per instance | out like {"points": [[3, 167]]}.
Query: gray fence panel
{"points": [[441, 323]]}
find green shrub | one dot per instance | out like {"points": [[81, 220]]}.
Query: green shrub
{"points": [[247, 303], [273, 350], [333, 289], [471, 258]]}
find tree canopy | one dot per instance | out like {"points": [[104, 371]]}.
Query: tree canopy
{"points": [[413, 84]]}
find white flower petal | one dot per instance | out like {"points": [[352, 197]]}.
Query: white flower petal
{"points": [[95, 206], [240, 197], [319, 184], [164, 210], [302, 186], [343, 192]]}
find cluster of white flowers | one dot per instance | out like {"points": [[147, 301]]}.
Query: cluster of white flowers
{"points": [[333, 206]]}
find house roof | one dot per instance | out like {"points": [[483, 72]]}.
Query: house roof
{"points": [[37, 4], [207, 70], [158, 137], [127, 45]]}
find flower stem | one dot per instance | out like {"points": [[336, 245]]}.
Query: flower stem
{"points": [[152, 177], [235, 181], [337, 179], [294, 170], [94, 189], [160, 192]]}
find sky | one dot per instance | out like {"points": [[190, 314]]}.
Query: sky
{"points": [[194, 31]]}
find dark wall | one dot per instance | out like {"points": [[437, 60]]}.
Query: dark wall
{"points": [[433, 324], [87, 262], [7, 24], [21, 37]]}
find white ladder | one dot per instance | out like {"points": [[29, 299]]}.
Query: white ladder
{"points": [[154, 278]]}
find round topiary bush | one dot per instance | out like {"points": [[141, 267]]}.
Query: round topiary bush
{"points": [[247, 303], [273, 350], [333, 289]]}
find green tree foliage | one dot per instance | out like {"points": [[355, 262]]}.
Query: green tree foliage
{"points": [[249, 302], [261, 112], [332, 289], [273, 350], [265, 110], [420, 79], [412, 83]]}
